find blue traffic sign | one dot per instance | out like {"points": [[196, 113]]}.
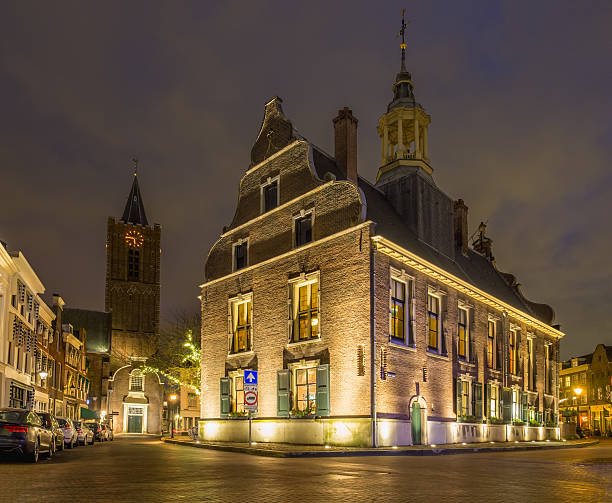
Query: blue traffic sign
{"points": [[250, 376]]}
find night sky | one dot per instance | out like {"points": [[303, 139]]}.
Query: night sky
{"points": [[519, 94]]}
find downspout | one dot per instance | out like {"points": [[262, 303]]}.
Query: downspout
{"points": [[373, 346]]}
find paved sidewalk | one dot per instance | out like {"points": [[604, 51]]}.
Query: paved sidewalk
{"points": [[318, 451]]}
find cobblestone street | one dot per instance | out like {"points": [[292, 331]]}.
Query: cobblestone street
{"points": [[145, 469]]}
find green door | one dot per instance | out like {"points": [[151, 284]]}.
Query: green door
{"points": [[134, 424], [416, 423]]}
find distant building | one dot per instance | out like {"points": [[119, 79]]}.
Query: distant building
{"points": [[132, 297], [363, 305], [585, 393]]}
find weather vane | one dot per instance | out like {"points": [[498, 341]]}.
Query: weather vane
{"points": [[402, 32], [135, 161]]}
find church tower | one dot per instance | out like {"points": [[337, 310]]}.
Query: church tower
{"points": [[133, 281], [403, 129]]}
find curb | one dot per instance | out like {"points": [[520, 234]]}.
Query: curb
{"points": [[253, 451]]}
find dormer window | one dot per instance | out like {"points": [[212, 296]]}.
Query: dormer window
{"points": [[269, 194], [240, 254]]}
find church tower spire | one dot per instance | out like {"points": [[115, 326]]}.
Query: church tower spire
{"points": [[134, 212], [403, 129]]}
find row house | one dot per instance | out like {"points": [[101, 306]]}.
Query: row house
{"points": [[367, 312], [43, 372], [585, 390]]}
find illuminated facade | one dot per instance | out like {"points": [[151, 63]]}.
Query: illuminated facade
{"points": [[585, 390], [369, 316]]}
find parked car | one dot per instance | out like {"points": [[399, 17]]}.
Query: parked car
{"points": [[22, 432], [97, 430], [84, 434], [71, 438], [111, 435], [50, 422]]}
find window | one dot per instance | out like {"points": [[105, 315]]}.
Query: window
{"points": [[465, 397], [306, 389], [241, 313], [136, 381], [433, 308], [9, 356], [192, 400], [303, 230], [493, 400], [238, 401], [462, 323], [547, 370], [269, 195], [305, 310], [399, 324], [512, 352], [567, 381], [532, 367], [240, 255], [491, 345], [133, 264]]}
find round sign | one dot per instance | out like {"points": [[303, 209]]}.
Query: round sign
{"points": [[250, 398]]}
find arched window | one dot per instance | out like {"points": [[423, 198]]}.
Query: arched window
{"points": [[136, 380]]}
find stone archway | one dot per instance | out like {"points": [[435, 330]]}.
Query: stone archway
{"points": [[417, 409]]}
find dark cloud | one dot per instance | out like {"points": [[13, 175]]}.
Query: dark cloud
{"points": [[518, 93]]}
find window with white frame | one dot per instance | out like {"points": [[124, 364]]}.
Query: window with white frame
{"points": [[237, 384], [513, 351], [241, 321], [270, 194], [400, 310], [466, 403], [136, 380], [493, 400], [434, 325], [302, 228], [240, 254], [305, 308], [463, 332], [516, 405]]}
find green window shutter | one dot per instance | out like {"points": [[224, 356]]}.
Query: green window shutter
{"points": [[458, 397], [525, 406], [323, 390], [283, 387], [477, 394], [507, 405], [224, 387], [488, 400]]}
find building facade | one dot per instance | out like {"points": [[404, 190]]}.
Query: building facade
{"points": [[585, 390], [132, 297], [367, 314]]}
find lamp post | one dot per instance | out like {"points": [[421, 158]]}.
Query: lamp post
{"points": [[172, 400], [577, 392]]}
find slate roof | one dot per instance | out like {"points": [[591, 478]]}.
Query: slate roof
{"points": [[97, 324], [134, 212], [474, 268]]}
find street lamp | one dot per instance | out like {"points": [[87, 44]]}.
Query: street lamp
{"points": [[578, 392], [172, 399]]}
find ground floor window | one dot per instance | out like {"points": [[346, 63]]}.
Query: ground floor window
{"points": [[303, 390], [238, 398], [516, 405], [306, 389], [493, 401]]}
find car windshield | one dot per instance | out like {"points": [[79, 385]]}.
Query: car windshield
{"points": [[62, 422], [77, 424], [11, 416]]}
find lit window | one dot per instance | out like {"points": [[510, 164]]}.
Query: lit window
{"points": [[465, 397], [433, 309], [305, 310], [512, 352], [491, 345], [238, 398], [494, 400], [241, 312], [136, 381], [306, 389], [463, 332], [303, 230], [400, 317], [240, 255]]}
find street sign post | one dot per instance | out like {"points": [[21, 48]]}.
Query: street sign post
{"points": [[251, 396]]}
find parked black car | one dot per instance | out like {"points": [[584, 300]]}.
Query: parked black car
{"points": [[50, 422], [22, 432], [98, 431]]}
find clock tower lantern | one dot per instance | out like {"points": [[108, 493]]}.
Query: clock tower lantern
{"points": [[133, 281]]}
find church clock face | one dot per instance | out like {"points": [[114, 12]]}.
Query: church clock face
{"points": [[134, 239]]}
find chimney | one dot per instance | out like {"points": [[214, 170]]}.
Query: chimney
{"points": [[58, 301], [460, 211], [345, 131]]}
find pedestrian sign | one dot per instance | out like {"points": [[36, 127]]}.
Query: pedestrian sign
{"points": [[250, 377]]}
